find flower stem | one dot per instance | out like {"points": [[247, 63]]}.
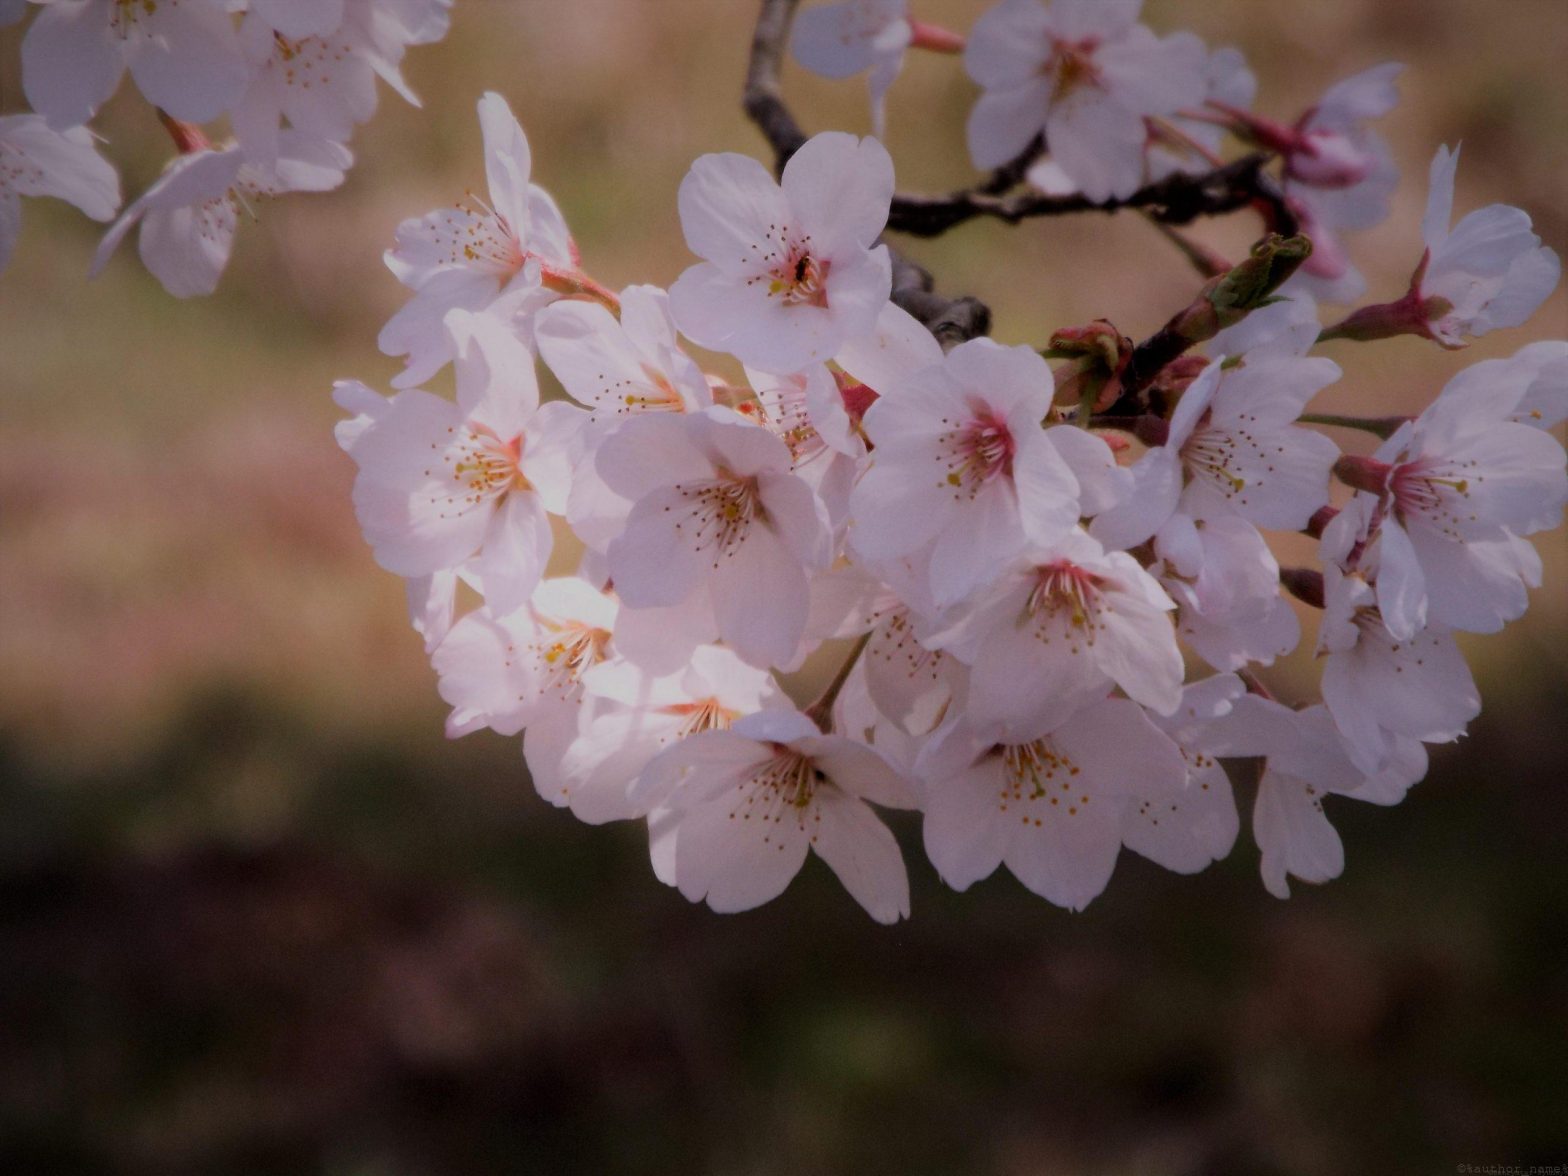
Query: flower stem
{"points": [[821, 711], [1384, 427]]}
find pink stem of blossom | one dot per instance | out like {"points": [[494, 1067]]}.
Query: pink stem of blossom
{"points": [[188, 137], [934, 38], [1363, 473]]}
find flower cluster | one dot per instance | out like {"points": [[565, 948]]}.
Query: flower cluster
{"points": [[1045, 591], [293, 78]]}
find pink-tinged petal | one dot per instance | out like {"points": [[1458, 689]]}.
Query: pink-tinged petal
{"points": [[1528, 283], [1069, 857], [859, 771], [1477, 585], [760, 599], [825, 41], [1401, 583], [607, 756], [1156, 488], [1098, 142], [649, 452], [1367, 95], [187, 249], [1105, 20], [1294, 835], [552, 727], [1185, 832], [1009, 44], [964, 829], [1119, 752], [496, 383], [298, 19], [840, 188], [481, 678], [515, 550], [897, 347], [1004, 122], [418, 329], [737, 444], [896, 513], [71, 61], [1030, 687], [861, 850], [1440, 197], [552, 450], [736, 864], [968, 554], [798, 517], [728, 205], [508, 160], [699, 769], [1047, 490], [658, 561], [191, 66], [661, 640], [1154, 75], [64, 164], [1101, 482], [1137, 648]]}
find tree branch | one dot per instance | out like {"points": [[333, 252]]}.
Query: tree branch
{"points": [[1178, 199]]}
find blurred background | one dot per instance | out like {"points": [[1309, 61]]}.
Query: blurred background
{"points": [[258, 916]]}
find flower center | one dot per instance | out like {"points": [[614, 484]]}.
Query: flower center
{"points": [[1037, 774], [477, 236], [481, 468], [1209, 452], [976, 453], [789, 269], [1436, 491], [125, 16], [1071, 65], [704, 714], [564, 656], [719, 513]]}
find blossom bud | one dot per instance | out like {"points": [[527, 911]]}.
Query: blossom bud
{"points": [[1099, 353]]}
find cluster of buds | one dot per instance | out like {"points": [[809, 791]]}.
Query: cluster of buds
{"points": [[1045, 593], [293, 78]]}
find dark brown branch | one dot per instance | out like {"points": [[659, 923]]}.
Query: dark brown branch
{"points": [[764, 97], [1178, 199]]}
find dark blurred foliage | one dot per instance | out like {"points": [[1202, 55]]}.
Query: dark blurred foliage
{"points": [[258, 917]]}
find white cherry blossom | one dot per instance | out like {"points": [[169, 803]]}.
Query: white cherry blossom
{"points": [[789, 271], [851, 37], [189, 215], [637, 716], [741, 809], [963, 471], [474, 254], [1084, 73], [617, 368], [440, 483], [720, 524], [38, 161], [526, 668], [1052, 808], [1058, 629], [182, 54]]}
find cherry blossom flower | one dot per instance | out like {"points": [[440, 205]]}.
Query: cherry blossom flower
{"points": [[183, 55], [475, 255], [1234, 448], [526, 668], [1529, 387], [1453, 489], [189, 215], [440, 482], [38, 161], [744, 806], [1381, 689], [1052, 808], [1084, 73], [1339, 175], [1058, 630], [853, 36], [720, 525], [789, 270], [1185, 830], [1488, 272], [618, 368], [963, 470], [1225, 582], [637, 716], [1306, 761]]}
